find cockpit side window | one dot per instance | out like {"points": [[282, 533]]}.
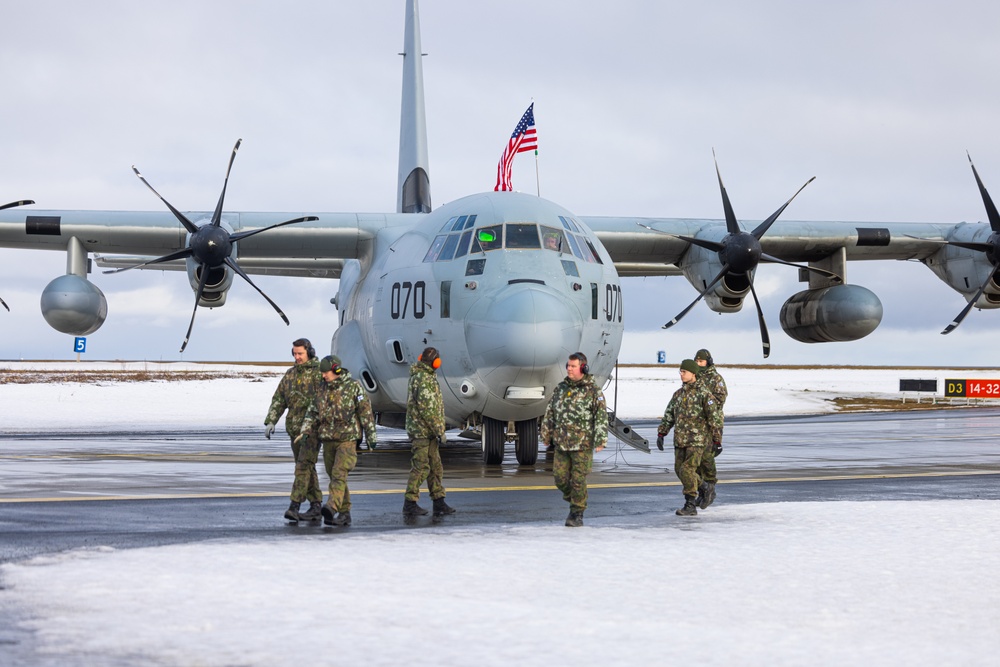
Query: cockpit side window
{"points": [[435, 249], [553, 239], [522, 235], [490, 238]]}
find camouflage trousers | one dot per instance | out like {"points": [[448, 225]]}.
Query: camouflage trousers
{"points": [[706, 469], [686, 462], [425, 464], [339, 457], [306, 484], [570, 470]]}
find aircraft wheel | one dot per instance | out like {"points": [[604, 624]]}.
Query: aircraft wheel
{"points": [[494, 437], [527, 441]]}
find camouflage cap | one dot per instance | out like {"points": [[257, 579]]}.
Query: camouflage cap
{"points": [[703, 354], [329, 363], [691, 366]]}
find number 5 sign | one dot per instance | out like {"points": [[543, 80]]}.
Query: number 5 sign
{"points": [[79, 344]]}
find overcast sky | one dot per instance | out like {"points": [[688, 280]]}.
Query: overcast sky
{"points": [[878, 100]]}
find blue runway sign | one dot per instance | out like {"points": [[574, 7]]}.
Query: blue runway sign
{"points": [[79, 344]]}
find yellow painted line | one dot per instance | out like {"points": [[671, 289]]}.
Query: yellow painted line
{"points": [[481, 489]]}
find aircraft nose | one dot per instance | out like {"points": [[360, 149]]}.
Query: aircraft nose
{"points": [[526, 325]]}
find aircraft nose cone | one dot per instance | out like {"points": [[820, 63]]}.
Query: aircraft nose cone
{"points": [[527, 326]]}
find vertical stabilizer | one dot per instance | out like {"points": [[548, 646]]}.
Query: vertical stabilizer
{"points": [[414, 193]]}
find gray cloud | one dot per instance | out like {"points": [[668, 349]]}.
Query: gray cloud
{"points": [[878, 100]]}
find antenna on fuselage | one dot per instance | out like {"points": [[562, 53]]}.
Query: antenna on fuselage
{"points": [[414, 188]]}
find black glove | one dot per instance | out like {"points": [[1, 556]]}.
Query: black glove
{"points": [[717, 448], [371, 445], [659, 442]]}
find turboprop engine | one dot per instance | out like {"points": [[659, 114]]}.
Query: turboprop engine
{"points": [[832, 314]]}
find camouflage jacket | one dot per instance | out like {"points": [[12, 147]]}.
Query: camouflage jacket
{"points": [[424, 403], [710, 379], [341, 412], [577, 418], [295, 393], [695, 415]]}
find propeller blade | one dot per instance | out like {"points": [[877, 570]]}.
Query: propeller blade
{"points": [[22, 202], [4, 304], [197, 298], [770, 259], [217, 215], [714, 246], [708, 245], [185, 252], [991, 209], [242, 235], [677, 318], [765, 339], [732, 226], [965, 311], [764, 226], [236, 268], [188, 225]]}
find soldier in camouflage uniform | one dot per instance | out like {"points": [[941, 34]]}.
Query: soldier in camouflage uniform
{"points": [[338, 417], [696, 417], [709, 378], [295, 393], [425, 426], [576, 424]]}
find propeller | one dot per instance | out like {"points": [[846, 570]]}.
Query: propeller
{"points": [[990, 247], [210, 245], [740, 252], [13, 204]]}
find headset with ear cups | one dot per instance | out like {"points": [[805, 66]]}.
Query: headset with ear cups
{"points": [[431, 357], [582, 358], [304, 342]]}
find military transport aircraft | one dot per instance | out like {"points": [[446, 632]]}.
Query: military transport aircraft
{"points": [[508, 283]]}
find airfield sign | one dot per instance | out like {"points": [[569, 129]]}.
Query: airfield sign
{"points": [[972, 388]]}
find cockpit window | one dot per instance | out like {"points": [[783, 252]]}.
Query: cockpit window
{"points": [[552, 239], [448, 250], [463, 245], [522, 235], [435, 249], [574, 246], [593, 251], [490, 238]]}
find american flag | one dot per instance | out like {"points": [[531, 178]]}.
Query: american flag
{"points": [[521, 141]]}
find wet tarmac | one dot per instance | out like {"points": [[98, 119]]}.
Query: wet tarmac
{"points": [[65, 490]]}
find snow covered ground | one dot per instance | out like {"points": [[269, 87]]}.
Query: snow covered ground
{"points": [[886, 583], [242, 401]]}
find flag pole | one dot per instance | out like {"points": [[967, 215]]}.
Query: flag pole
{"points": [[538, 182]]}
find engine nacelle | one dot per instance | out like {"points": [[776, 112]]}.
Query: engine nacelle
{"points": [[220, 279], [832, 314], [73, 305], [700, 267], [964, 270]]}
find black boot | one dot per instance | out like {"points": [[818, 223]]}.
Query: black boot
{"points": [[575, 519], [328, 515], [702, 490], [708, 497], [292, 513], [441, 507], [342, 519], [411, 508], [313, 513], [690, 508]]}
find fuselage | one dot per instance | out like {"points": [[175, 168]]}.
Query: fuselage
{"points": [[506, 285]]}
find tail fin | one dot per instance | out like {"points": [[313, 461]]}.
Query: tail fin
{"points": [[414, 193]]}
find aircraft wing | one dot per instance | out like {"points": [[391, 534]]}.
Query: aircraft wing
{"points": [[124, 238], [655, 247]]}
